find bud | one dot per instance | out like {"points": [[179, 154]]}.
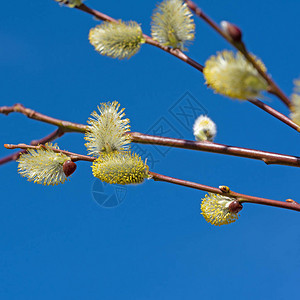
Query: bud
{"points": [[69, 167], [235, 207], [224, 188], [232, 30]]}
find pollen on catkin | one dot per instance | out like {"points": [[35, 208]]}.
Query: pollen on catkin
{"points": [[295, 107], [120, 168], [106, 132], [204, 129], [232, 75], [117, 40], [172, 24], [70, 3], [43, 166], [215, 209]]}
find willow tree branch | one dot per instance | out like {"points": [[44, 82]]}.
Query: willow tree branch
{"points": [[222, 190], [179, 54], [273, 87], [51, 137], [64, 126], [73, 156], [175, 52], [265, 156], [288, 204], [273, 112], [136, 137]]}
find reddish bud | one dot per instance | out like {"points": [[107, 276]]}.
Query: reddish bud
{"points": [[69, 167], [224, 189], [232, 30], [235, 207]]}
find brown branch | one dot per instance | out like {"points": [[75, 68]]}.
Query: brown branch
{"points": [[222, 190], [52, 136], [179, 54], [32, 114], [239, 45], [267, 157], [136, 137], [73, 156], [283, 118], [289, 204], [175, 52]]}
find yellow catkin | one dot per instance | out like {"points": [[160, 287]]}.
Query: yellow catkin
{"points": [[172, 24], [232, 75], [120, 168], [117, 40], [215, 210]]}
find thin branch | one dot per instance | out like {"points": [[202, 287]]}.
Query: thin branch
{"points": [[273, 87], [73, 156], [267, 157], [283, 118], [222, 190], [136, 137], [175, 52], [32, 114], [51, 137], [288, 204], [179, 54]]}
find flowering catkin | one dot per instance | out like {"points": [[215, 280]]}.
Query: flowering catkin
{"points": [[43, 166], [295, 107], [106, 132], [117, 40], [204, 129], [120, 168], [172, 24], [232, 75], [215, 209], [70, 3]]}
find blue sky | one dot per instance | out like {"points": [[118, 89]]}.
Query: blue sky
{"points": [[58, 242]]}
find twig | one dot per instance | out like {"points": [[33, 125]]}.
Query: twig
{"points": [[73, 156], [179, 54], [273, 88], [136, 137], [289, 204], [52, 136], [267, 157], [65, 126], [222, 190], [283, 118], [176, 52]]}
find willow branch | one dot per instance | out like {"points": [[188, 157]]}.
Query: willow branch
{"points": [[175, 52], [65, 126], [267, 157], [288, 204], [136, 137], [51, 137], [273, 87], [222, 190], [179, 54], [73, 156], [273, 112]]}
